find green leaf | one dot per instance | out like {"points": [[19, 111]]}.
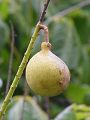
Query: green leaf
{"points": [[75, 112], [82, 112], [26, 109], [3, 9], [4, 33], [85, 65], [67, 114], [77, 92], [66, 41], [81, 20]]}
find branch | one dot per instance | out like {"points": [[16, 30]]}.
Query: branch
{"points": [[10, 60], [70, 9], [47, 107], [44, 11], [19, 72], [23, 63]]}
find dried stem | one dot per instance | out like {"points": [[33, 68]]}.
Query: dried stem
{"points": [[82, 4], [44, 11], [47, 107], [10, 60]]}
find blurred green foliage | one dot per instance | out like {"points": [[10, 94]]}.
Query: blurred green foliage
{"points": [[24, 108], [75, 112], [70, 39]]}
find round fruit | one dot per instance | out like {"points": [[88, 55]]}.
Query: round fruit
{"points": [[46, 74]]}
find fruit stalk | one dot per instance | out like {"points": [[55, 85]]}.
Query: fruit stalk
{"points": [[19, 72], [45, 28]]}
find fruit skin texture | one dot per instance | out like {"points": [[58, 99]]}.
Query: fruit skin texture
{"points": [[46, 74]]}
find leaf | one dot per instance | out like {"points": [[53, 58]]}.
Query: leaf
{"points": [[82, 112], [77, 92], [75, 112], [4, 33], [85, 65], [66, 42], [26, 109], [24, 15], [3, 9], [81, 20], [67, 114]]}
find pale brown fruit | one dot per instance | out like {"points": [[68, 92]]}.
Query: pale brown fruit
{"points": [[46, 74]]}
